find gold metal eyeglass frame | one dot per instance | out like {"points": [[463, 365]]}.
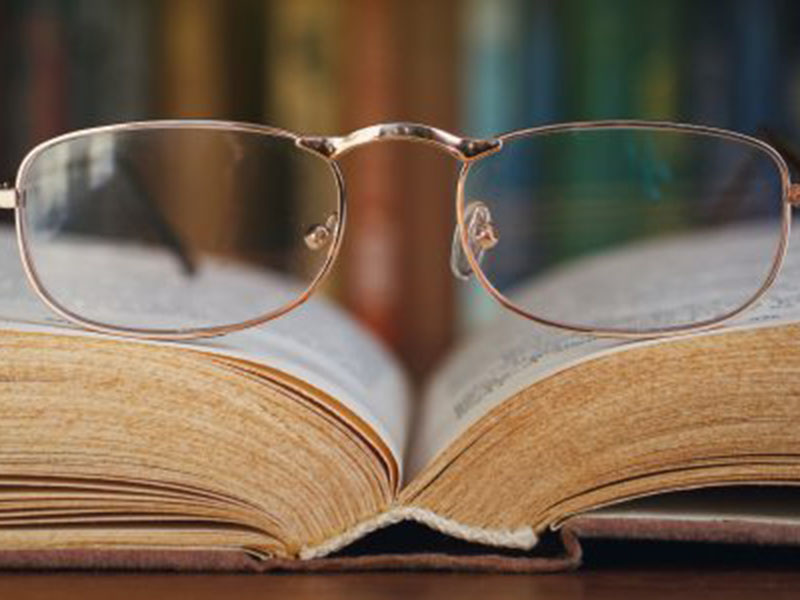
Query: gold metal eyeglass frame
{"points": [[466, 150]]}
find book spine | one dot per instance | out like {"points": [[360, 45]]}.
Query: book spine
{"points": [[707, 67], [45, 65], [303, 66], [656, 69], [544, 59], [245, 59], [110, 57], [525, 251], [6, 169], [657, 85], [191, 79], [757, 60], [11, 103], [431, 96], [493, 39], [192, 65], [302, 71], [601, 54], [372, 254], [790, 92]]}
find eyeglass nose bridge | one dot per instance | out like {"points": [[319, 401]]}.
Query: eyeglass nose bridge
{"points": [[465, 149]]}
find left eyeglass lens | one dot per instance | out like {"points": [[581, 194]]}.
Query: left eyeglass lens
{"points": [[177, 228]]}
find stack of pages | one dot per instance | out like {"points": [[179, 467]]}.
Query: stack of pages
{"points": [[285, 445]]}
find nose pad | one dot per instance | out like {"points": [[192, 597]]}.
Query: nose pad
{"points": [[319, 235], [482, 235]]}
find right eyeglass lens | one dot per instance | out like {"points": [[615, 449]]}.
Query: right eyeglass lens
{"points": [[169, 229], [630, 229]]}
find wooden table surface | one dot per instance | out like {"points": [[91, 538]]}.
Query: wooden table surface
{"points": [[595, 585], [634, 571]]}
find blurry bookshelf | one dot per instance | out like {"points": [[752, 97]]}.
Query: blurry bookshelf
{"points": [[475, 67]]}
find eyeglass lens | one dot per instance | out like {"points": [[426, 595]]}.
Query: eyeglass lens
{"points": [[177, 228], [626, 228]]}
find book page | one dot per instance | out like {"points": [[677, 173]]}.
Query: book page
{"points": [[316, 343], [755, 504], [511, 353]]}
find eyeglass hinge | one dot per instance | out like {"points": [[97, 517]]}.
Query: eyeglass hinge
{"points": [[794, 194], [8, 197], [320, 145]]}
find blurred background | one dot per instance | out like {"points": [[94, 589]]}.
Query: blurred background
{"points": [[475, 67]]}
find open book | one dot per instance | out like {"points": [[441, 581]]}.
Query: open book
{"points": [[287, 443]]}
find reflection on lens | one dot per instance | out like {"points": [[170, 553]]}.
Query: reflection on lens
{"points": [[632, 229], [176, 228]]}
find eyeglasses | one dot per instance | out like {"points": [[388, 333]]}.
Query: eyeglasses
{"points": [[188, 229]]}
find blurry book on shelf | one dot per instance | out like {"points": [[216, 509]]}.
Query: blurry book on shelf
{"points": [[37, 90], [44, 36], [281, 447], [656, 74], [493, 38], [600, 72], [303, 68], [110, 49], [191, 65], [429, 95], [393, 269], [302, 74], [333, 66], [682, 61], [789, 95], [189, 74], [372, 251], [707, 67], [209, 52], [756, 59]]}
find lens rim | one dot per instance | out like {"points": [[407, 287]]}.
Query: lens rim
{"points": [[777, 261], [53, 303]]}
